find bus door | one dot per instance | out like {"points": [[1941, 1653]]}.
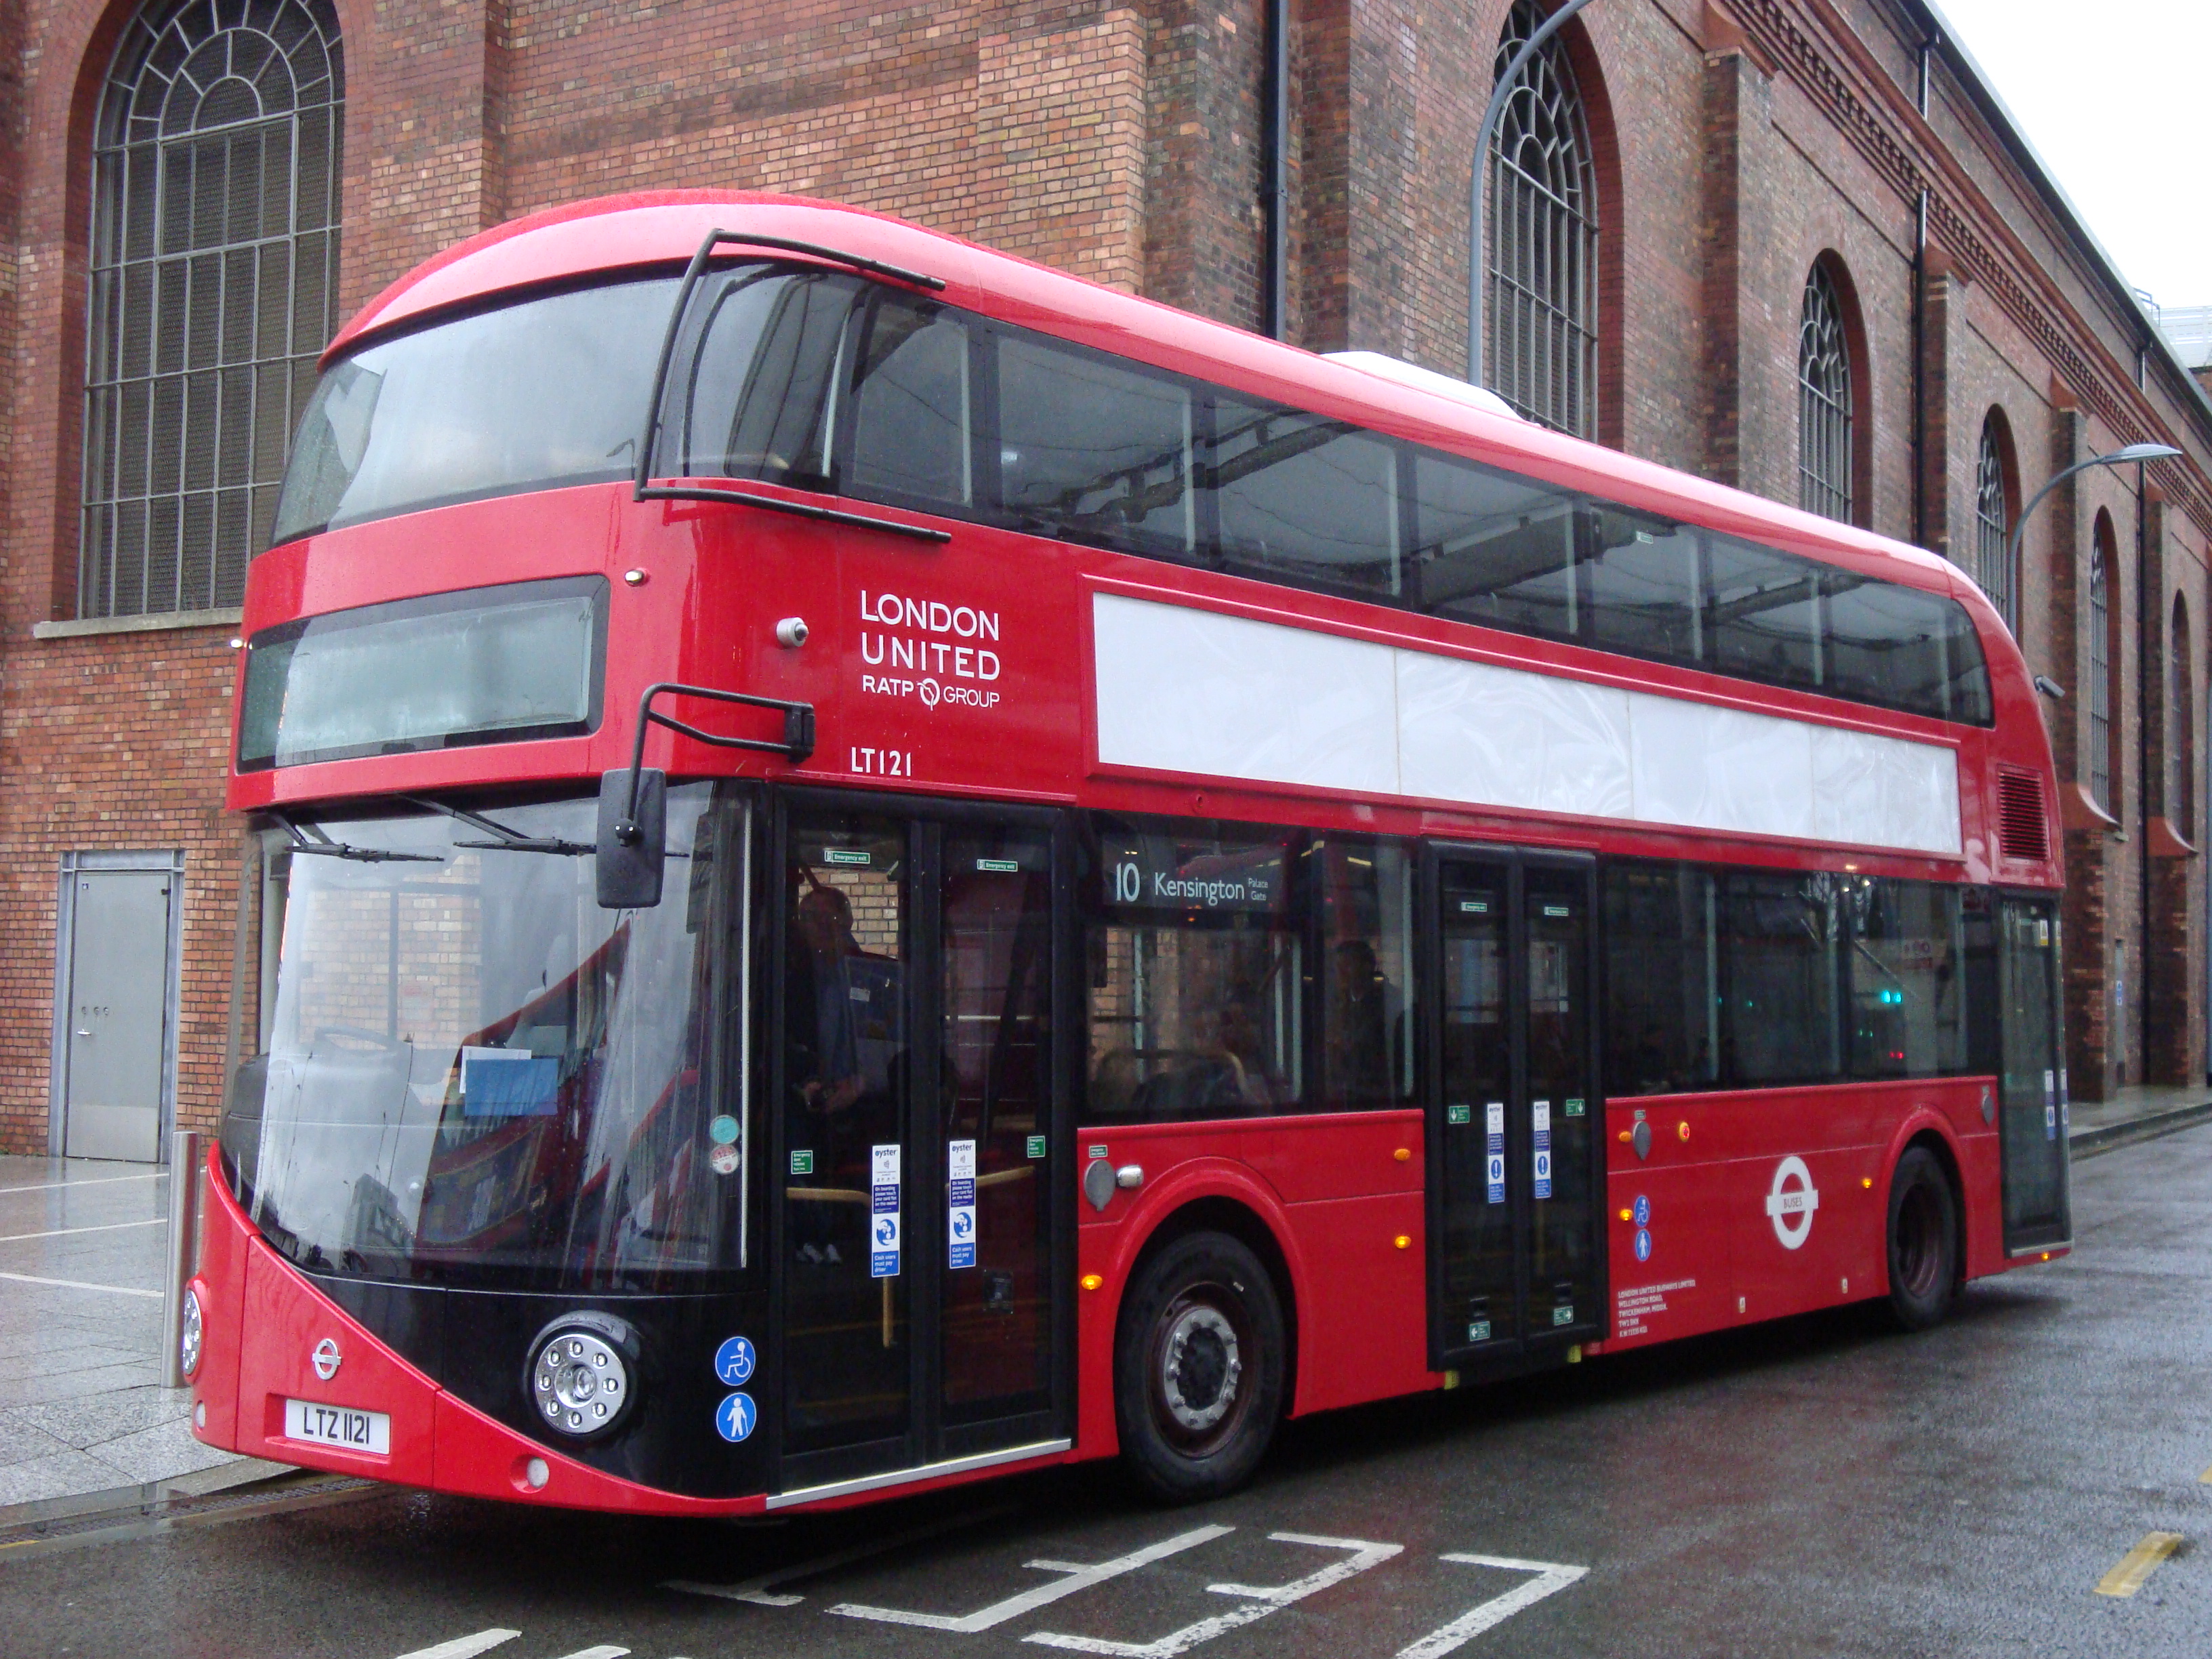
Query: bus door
{"points": [[920, 1115], [2032, 1079], [1516, 1263]]}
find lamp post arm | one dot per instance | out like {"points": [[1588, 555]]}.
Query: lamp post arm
{"points": [[1504, 90], [2019, 525]]}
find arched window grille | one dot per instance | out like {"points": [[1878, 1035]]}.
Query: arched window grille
{"points": [[1824, 401], [1542, 350], [2100, 674], [2182, 723], [215, 249], [1992, 528]]}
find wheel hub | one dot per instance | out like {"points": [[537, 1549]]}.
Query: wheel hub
{"points": [[1201, 1365]]}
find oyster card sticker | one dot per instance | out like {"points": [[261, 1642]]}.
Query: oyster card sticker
{"points": [[960, 1199], [1493, 1129], [884, 1211], [1539, 1113]]}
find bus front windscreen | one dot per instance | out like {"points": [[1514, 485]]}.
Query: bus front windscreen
{"points": [[469, 1073]]}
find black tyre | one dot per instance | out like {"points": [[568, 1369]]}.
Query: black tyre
{"points": [[1198, 1368], [1923, 1241]]}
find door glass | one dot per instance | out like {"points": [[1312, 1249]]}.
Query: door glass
{"points": [[1562, 1289], [845, 1077], [2033, 1130], [996, 1072], [1475, 1279]]}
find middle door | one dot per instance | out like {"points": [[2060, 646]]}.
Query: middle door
{"points": [[1517, 1269]]}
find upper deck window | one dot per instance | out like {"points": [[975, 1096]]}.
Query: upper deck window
{"points": [[531, 396]]}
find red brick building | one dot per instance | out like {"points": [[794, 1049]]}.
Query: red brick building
{"points": [[1794, 245]]}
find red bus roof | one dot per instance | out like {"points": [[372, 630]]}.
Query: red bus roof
{"points": [[649, 229]]}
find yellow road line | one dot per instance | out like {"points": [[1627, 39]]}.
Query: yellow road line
{"points": [[2137, 1564], [2205, 1479]]}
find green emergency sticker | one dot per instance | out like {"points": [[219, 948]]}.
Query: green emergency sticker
{"points": [[802, 1163], [1574, 1108], [1564, 1315], [1459, 1114], [1037, 1146], [1478, 1331]]}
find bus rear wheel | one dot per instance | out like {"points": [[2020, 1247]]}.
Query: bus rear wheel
{"points": [[1923, 1241], [1198, 1368]]}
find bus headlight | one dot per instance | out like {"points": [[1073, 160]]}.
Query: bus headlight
{"points": [[583, 1375], [189, 1332]]}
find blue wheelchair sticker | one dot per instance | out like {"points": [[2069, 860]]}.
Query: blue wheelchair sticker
{"points": [[733, 1363]]}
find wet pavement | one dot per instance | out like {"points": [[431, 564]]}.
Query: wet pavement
{"points": [[1823, 1485], [82, 1249]]}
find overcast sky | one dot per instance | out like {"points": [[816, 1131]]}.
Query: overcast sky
{"points": [[2116, 95]]}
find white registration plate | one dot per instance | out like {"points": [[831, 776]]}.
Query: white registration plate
{"points": [[338, 1425]]}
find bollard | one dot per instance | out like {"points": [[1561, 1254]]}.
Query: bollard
{"points": [[184, 1249]]}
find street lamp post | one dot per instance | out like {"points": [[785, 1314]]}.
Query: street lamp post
{"points": [[1543, 32], [2117, 458]]}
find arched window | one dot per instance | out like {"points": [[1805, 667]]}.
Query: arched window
{"points": [[2099, 678], [1993, 520], [214, 247], [1824, 400], [1542, 350], [2181, 726]]}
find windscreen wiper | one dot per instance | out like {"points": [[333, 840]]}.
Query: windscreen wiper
{"points": [[321, 844], [510, 840]]}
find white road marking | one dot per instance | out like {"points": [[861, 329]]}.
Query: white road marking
{"points": [[97, 1180], [1264, 1598], [602, 1652], [1551, 1578], [64, 1232], [1079, 1577], [80, 1285], [759, 1591], [465, 1647]]}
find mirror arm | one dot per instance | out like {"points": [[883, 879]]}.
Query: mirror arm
{"points": [[797, 743]]}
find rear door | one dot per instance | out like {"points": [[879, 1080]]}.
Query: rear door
{"points": [[1516, 1262], [2032, 1103]]}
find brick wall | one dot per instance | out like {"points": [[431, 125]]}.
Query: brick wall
{"points": [[1734, 141]]}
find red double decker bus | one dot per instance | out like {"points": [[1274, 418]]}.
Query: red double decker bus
{"points": [[872, 864]]}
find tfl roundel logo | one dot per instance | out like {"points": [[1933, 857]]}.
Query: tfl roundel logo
{"points": [[1789, 1206]]}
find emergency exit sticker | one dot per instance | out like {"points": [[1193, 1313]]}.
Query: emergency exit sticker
{"points": [[1540, 1118], [884, 1211], [960, 1197], [1493, 1124]]}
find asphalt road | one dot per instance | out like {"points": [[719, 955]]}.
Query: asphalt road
{"points": [[1820, 1486]]}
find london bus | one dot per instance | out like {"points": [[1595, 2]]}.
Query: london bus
{"points": [[870, 865]]}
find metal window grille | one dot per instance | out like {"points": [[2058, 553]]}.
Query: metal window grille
{"points": [[213, 278], [1824, 402], [1543, 230], [2101, 688], [1992, 534]]}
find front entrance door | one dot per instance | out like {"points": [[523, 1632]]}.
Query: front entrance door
{"points": [[916, 1071], [118, 1003], [1517, 1230], [2032, 1103]]}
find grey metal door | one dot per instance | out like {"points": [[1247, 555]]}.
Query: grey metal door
{"points": [[118, 1003]]}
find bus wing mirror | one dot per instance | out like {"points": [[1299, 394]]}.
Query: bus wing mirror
{"points": [[633, 839]]}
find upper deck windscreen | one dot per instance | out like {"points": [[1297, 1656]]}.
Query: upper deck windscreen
{"points": [[546, 393]]}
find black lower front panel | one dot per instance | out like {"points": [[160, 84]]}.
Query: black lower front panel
{"points": [[479, 1345]]}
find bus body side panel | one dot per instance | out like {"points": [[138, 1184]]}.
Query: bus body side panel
{"points": [[1731, 1239], [221, 1279], [1336, 1196]]}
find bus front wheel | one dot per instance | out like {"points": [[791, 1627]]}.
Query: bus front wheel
{"points": [[1198, 1368], [1923, 1241]]}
